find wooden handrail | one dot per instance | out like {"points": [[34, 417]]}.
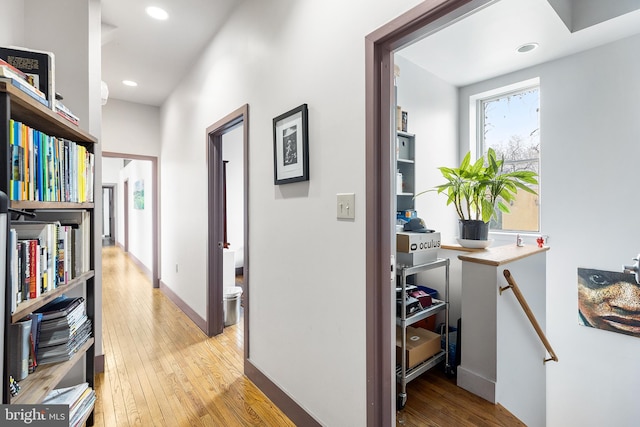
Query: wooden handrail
{"points": [[525, 306]]}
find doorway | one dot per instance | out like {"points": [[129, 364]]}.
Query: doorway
{"points": [[135, 209], [380, 45], [227, 207], [108, 215], [125, 218]]}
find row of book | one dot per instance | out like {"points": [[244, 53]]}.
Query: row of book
{"points": [[49, 169], [51, 334], [80, 399], [46, 255]]}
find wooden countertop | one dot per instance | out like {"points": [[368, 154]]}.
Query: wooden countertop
{"points": [[500, 255]]}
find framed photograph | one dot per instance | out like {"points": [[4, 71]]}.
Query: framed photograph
{"points": [[291, 146]]}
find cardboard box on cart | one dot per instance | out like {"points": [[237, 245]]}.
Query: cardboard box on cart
{"points": [[421, 345]]}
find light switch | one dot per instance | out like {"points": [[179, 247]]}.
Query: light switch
{"points": [[346, 206]]}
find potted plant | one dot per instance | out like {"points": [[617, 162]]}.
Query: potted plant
{"points": [[480, 190]]}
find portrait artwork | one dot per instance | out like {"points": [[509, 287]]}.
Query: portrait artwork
{"points": [[609, 300]]}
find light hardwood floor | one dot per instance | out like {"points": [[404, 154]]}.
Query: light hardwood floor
{"points": [[161, 370]]}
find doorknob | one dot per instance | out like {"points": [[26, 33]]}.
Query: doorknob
{"points": [[221, 245], [633, 269]]}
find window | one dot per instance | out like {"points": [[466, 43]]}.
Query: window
{"points": [[509, 123]]}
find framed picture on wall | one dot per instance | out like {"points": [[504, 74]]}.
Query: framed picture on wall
{"points": [[291, 146]]}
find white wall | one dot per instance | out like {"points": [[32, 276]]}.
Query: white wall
{"points": [[140, 220], [589, 135], [12, 30], [307, 325], [130, 128], [432, 106], [111, 169]]}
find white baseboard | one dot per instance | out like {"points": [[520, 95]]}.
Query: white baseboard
{"points": [[476, 384]]}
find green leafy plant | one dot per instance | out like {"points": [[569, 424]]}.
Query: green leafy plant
{"points": [[481, 189]]}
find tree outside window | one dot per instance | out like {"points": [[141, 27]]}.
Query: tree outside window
{"points": [[509, 123]]}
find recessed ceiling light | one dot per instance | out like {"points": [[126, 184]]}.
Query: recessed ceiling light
{"points": [[527, 47], [129, 83], [157, 13]]}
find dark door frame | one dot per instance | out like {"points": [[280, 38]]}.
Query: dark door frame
{"points": [[215, 315], [413, 25], [155, 212]]}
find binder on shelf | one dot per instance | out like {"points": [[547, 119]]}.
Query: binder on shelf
{"points": [[19, 333]]}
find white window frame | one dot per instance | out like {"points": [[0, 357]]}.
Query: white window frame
{"points": [[476, 128]]}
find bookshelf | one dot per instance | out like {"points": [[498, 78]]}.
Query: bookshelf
{"points": [[16, 105]]}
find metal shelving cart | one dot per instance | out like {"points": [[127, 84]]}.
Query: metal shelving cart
{"points": [[404, 374]]}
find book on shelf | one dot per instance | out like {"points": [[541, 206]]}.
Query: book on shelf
{"points": [[31, 268], [59, 307], [80, 399], [14, 270], [15, 71], [66, 113], [36, 321], [37, 64]]}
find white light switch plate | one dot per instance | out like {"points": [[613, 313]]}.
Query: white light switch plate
{"points": [[346, 206]]}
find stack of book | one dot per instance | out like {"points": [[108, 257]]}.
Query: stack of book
{"points": [[79, 398], [39, 68], [64, 328], [64, 112], [22, 81]]}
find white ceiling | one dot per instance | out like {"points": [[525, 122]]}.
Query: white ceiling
{"points": [[483, 45], [157, 54]]}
